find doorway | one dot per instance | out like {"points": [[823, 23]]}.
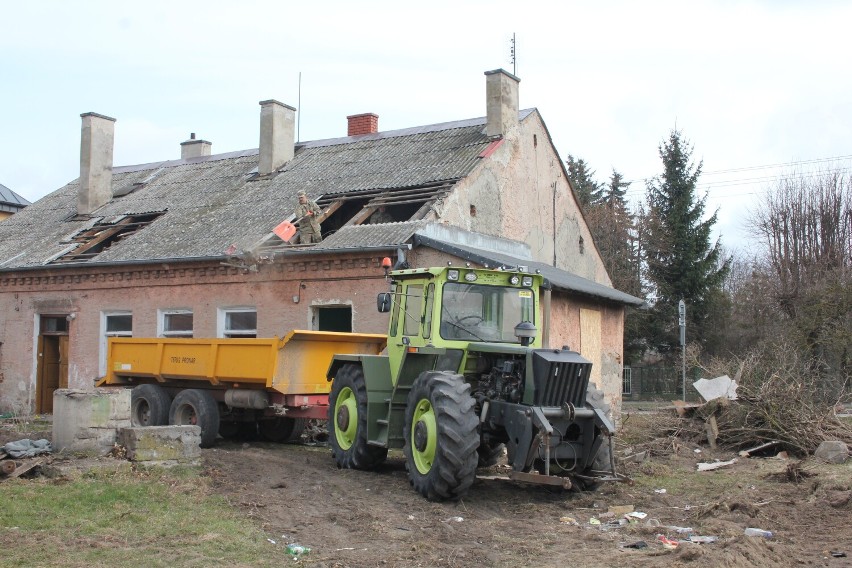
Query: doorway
{"points": [[52, 366], [333, 318]]}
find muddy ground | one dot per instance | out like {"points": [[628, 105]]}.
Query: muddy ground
{"points": [[357, 518], [296, 494]]}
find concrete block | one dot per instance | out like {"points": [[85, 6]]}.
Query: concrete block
{"points": [[832, 451], [87, 421], [162, 445]]}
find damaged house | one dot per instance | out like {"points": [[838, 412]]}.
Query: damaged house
{"points": [[187, 247]]}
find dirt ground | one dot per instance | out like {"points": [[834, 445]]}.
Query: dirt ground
{"points": [[361, 519], [357, 518]]}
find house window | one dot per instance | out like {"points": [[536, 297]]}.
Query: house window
{"points": [[175, 323], [238, 322], [113, 324]]}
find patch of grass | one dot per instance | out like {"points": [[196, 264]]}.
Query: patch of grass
{"points": [[126, 519]]}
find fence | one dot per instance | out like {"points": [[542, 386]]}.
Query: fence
{"points": [[658, 383]]}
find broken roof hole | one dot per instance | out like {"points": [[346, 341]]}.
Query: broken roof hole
{"points": [[99, 237]]}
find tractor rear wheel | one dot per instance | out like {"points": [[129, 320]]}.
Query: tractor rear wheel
{"points": [[282, 429], [149, 406], [197, 408], [347, 421], [441, 437]]}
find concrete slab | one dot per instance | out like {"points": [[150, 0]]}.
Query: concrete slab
{"points": [[85, 422], [162, 445]]}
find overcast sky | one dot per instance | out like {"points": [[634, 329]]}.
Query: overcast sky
{"points": [[750, 84]]}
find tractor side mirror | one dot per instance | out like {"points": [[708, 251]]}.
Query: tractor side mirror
{"points": [[383, 302]]}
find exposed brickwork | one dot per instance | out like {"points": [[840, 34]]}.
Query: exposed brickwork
{"points": [[367, 123]]}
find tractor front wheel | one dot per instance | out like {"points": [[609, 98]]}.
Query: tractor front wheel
{"points": [[602, 461], [441, 436], [347, 421]]}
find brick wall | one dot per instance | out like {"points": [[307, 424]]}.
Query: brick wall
{"points": [[366, 123]]}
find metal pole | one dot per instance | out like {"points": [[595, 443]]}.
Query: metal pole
{"points": [[681, 317]]}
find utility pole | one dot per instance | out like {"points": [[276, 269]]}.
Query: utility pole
{"points": [[681, 316]]}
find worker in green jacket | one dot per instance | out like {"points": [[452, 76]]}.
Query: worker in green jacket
{"points": [[307, 214]]}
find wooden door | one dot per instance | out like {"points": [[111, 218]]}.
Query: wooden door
{"points": [[52, 370]]}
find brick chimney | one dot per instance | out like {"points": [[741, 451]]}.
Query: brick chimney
{"points": [[96, 145], [501, 101], [367, 123], [193, 148], [277, 136]]}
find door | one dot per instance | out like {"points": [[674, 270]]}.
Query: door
{"points": [[52, 366]]}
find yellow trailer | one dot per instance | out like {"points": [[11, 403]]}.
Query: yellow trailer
{"points": [[232, 386]]}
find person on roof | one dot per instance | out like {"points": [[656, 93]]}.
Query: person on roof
{"points": [[381, 216], [307, 215]]}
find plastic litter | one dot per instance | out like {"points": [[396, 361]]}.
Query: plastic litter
{"points": [[637, 545], [568, 521], [660, 491], [715, 465], [751, 531], [667, 543], [681, 530], [271, 541], [838, 554], [703, 539], [297, 550], [455, 519], [594, 521], [636, 515]]}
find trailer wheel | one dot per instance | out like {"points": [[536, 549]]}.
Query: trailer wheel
{"points": [[347, 420], [282, 429], [197, 408], [602, 460], [149, 406], [441, 437]]}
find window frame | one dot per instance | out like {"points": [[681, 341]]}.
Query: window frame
{"points": [[163, 314], [104, 335], [222, 319]]}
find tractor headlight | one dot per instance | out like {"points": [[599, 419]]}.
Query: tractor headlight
{"points": [[527, 281], [470, 277], [514, 280], [453, 275]]}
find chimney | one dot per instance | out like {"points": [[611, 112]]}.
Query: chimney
{"points": [[96, 144], [277, 136], [501, 101], [367, 123], [193, 148]]}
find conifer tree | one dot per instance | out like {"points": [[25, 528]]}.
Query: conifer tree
{"points": [[682, 263], [582, 179]]}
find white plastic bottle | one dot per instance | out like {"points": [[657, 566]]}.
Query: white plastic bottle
{"points": [[758, 532]]}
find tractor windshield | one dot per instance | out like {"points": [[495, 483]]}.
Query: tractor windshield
{"points": [[474, 312]]}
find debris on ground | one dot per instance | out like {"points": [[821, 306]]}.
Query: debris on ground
{"points": [[710, 466], [720, 387], [27, 448]]}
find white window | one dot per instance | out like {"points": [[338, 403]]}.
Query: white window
{"points": [[113, 324], [237, 322], [175, 323]]}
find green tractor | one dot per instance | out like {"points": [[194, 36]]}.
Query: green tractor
{"points": [[464, 380]]}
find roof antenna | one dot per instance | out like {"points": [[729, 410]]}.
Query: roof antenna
{"points": [[299, 115], [512, 59]]}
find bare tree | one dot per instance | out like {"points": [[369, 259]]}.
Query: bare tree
{"points": [[805, 225]]}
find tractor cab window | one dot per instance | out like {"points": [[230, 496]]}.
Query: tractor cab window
{"points": [[413, 309], [473, 312]]}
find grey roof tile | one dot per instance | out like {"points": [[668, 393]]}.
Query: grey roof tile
{"points": [[213, 202]]}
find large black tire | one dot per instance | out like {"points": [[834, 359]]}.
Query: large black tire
{"points": [[149, 406], [602, 461], [198, 408], [489, 454], [282, 429], [441, 436], [347, 421]]}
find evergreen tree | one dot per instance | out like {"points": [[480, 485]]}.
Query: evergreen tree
{"points": [[681, 261], [583, 182]]}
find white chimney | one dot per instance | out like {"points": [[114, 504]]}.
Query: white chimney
{"points": [[193, 148], [501, 98], [277, 136], [96, 145]]}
